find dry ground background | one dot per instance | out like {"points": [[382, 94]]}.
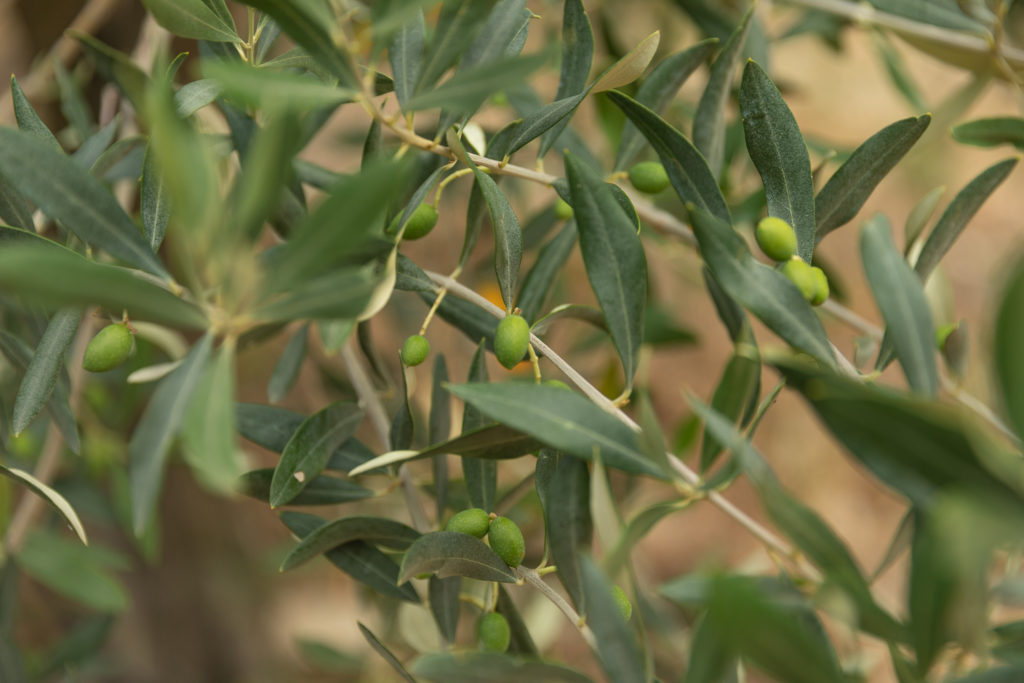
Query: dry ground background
{"points": [[214, 607]]}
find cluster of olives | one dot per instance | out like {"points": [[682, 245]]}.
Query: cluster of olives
{"points": [[511, 342], [777, 240]]}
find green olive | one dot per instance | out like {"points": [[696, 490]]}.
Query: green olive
{"points": [[473, 521], [776, 238], [649, 177], [558, 384], [625, 606], [820, 286], [415, 350], [420, 223], [507, 541], [801, 275], [511, 340], [563, 211], [494, 632], [942, 334], [109, 348]]}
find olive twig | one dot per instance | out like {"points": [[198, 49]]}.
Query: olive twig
{"points": [[531, 577]]}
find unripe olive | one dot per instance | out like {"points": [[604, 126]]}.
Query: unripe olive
{"points": [[562, 210], [109, 348], [415, 350], [943, 333], [649, 177], [820, 286], [776, 238], [473, 521], [558, 384], [802, 275], [507, 541], [625, 606], [494, 632], [421, 222], [511, 340]]}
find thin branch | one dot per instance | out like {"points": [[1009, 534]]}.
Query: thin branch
{"points": [[534, 579], [49, 457]]}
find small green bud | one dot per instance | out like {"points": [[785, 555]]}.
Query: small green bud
{"points": [[421, 222], [109, 348], [776, 238], [473, 521], [649, 177], [415, 350], [494, 632], [507, 541], [820, 286], [942, 334], [801, 275], [625, 606], [562, 210], [511, 340]]}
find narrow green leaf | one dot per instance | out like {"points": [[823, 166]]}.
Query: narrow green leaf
{"points": [[466, 90], [1009, 362], [770, 633], [562, 419], [439, 428], [321, 490], [471, 667], [539, 279], [210, 448], [658, 89], [444, 604], [777, 149], [542, 120], [614, 259], [629, 68], [27, 118], [901, 299], [115, 67], [733, 394], [762, 290], [303, 24], [521, 641], [709, 121], [458, 25], [55, 278], [80, 573], [503, 35], [155, 203], [687, 170], [577, 55], [616, 646], [989, 132], [376, 530], [56, 500], [481, 476], [267, 426], [710, 658], [944, 13], [287, 369], [193, 96], [959, 212], [68, 193], [635, 530], [402, 425], [151, 441], [384, 652], [14, 208], [20, 355], [916, 446], [270, 89], [846, 191], [450, 553], [567, 523], [342, 294], [192, 19], [918, 217], [360, 560], [405, 53], [310, 447], [896, 68], [47, 360]]}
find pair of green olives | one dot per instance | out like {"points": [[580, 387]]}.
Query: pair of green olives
{"points": [[505, 537], [777, 240]]}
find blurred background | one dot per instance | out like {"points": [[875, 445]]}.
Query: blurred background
{"points": [[203, 598]]}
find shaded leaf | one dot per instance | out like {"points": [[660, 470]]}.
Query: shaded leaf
{"points": [[405, 53], [27, 118], [1009, 362], [989, 132], [466, 90], [616, 647], [481, 477], [577, 55], [450, 553], [567, 523], [458, 25], [738, 386], [192, 19], [151, 440], [444, 604], [288, 365], [384, 652], [900, 297], [155, 203], [80, 573], [376, 530], [43, 370], [321, 490]]}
